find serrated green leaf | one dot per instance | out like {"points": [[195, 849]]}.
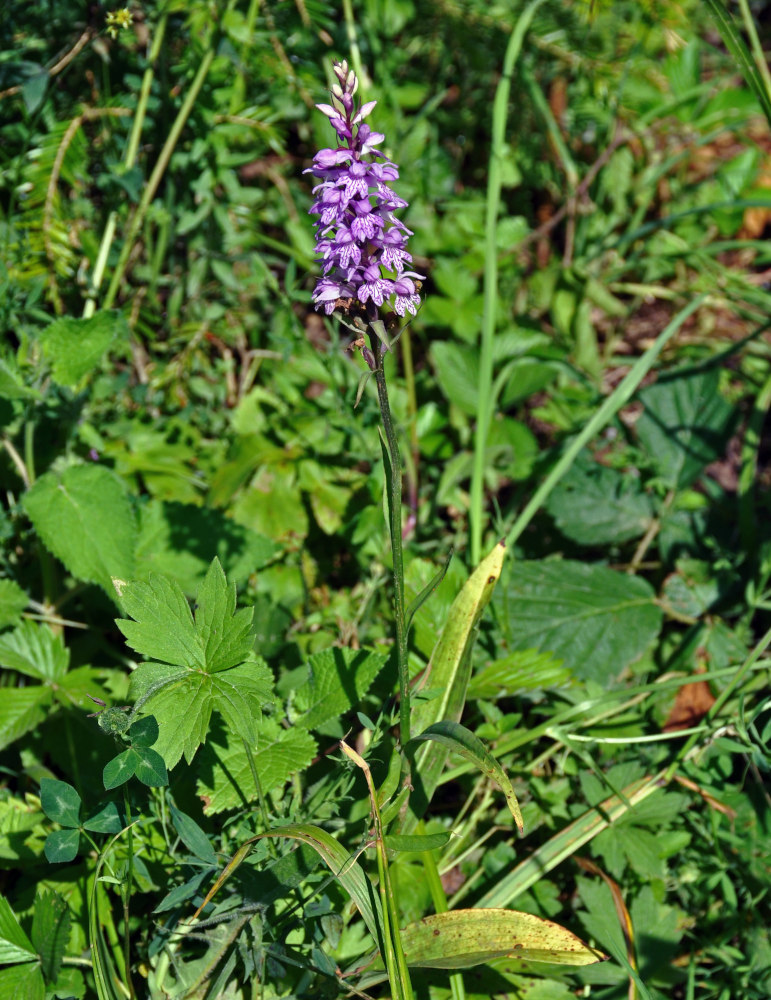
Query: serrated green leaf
{"points": [[62, 846], [192, 836], [462, 741], [226, 780], [75, 346], [144, 732], [338, 679], [50, 932], [685, 425], [595, 505], [34, 650], [107, 820], [183, 706], [227, 635], [60, 802], [84, 517], [11, 386], [15, 946], [69, 985], [163, 627], [23, 829], [117, 771], [23, 981], [22, 709], [596, 619], [150, 768], [13, 600]]}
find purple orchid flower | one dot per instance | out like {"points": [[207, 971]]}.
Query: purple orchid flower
{"points": [[358, 237]]}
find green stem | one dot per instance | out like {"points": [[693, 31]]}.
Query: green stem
{"points": [[127, 893], [128, 162], [757, 48], [613, 403], [155, 177], [395, 525], [439, 899], [257, 785], [495, 176]]}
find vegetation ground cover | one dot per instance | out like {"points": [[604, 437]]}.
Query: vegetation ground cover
{"points": [[209, 786]]}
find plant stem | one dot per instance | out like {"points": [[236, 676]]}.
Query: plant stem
{"points": [[155, 177], [439, 899], [494, 183], [127, 893], [395, 525], [128, 162]]}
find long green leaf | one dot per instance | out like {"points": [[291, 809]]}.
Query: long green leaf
{"points": [[620, 395], [463, 741], [449, 673], [345, 869], [108, 983], [741, 53], [565, 843]]}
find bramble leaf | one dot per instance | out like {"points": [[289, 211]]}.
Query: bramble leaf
{"points": [[84, 517], [225, 778], [338, 679]]}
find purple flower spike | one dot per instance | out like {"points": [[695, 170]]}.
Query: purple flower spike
{"points": [[358, 237]]}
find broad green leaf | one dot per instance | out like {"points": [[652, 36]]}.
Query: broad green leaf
{"points": [[50, 932], [60, 802], [227, 634], [338, 679], [62, 846], [13, 601], [107, 820], [179, 541], [685, 424], [460, 939], [457, 372], [144, 732], [23, 981], [150, 768], [597, 620], [22, 709], [461, 740], [163, 627], [84, 517], [525, 670], [183, 701], [23, 829], [33, 649], [15, 946], [118, 771], [448, 673], [417, 843], [11, 385], [75, 346], [225, 779], [192, 836], [594, 505]]}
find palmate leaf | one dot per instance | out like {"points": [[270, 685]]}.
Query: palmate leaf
{"points": [[208, 662]]}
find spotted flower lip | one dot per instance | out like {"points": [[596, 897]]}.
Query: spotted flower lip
{"points": [[358, 236]]}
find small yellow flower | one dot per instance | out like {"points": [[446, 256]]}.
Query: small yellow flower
{"points": [[118, 20]]}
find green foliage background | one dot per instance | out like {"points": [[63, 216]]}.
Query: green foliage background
{"points": [[169, 398]]}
